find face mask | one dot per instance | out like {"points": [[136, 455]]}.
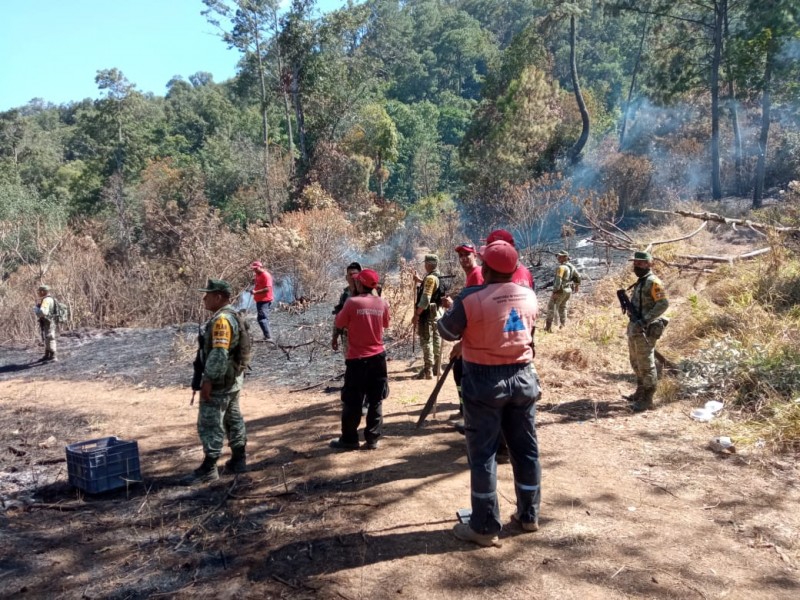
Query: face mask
{"points": [[641, 271]]}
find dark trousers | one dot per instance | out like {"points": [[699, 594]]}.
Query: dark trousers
{"points": [[365, 381], [501, 399], [458, 375], [262, 308]]}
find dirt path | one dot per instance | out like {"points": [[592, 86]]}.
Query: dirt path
{"points": [[633, 505]]}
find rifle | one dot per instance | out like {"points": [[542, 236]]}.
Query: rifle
{"points": [[435, 394], [198, 365], [628, 309]]}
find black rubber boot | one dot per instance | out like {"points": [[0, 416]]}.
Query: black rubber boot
{"points": [[204, 473], [238, 461]]}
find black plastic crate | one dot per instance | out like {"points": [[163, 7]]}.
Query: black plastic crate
{"points": [[104, 464]]}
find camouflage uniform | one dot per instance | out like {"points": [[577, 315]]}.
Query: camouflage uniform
{"points": [[220, 416], [565, 280], [342, 334], [45, 310], [649, 299], [429, 337]]}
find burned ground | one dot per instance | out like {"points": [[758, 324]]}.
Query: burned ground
{"points": [[633, 505]]}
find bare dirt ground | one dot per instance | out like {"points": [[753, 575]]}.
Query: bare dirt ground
{"points": [[633, 505]]}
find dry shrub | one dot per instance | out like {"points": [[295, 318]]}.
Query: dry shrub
{"points": [[401, 297], [571, 358], [628, 176], [777, 428], [440, 235], [526, 207], [307, 249], [344, 177]]}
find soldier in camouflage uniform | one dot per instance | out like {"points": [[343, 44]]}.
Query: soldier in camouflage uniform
{"points": [[427, 313], [353, 269], [219, 413], [566, 281], [649, 301], [45, 311]]}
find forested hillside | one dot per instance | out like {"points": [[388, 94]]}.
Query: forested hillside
{"points": [[343, 131]]}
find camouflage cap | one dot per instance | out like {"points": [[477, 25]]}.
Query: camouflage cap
{"points": [[432, 258], [217, 285], [642, 255], [563, 253], [44, 288]]}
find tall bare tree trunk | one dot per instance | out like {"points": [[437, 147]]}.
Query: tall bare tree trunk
{"points": [[633, 84], [716, 60], [763, 138], [265, 126], [575, 151], [286, 104], [299, 117], [733, 107]]}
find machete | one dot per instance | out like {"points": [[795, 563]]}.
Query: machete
{"points": [[435, 394]]}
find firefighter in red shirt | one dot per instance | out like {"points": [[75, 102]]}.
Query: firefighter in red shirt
{"points": [[263, 295], [365, 316], [522, 276]]}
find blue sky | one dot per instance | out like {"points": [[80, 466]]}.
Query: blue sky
{"points": [[52, 49]]}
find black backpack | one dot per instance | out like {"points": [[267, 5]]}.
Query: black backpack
{"points": [[442, 290]]}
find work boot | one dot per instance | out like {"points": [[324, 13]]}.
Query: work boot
{"points": [[204, 473], [338, 444], [238, 461], [645, 401], [634, 397], [425, 373], [464, 532], [525, 525], [548, 327], [459, 426]]}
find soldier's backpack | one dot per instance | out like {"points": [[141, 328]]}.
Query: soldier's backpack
{"points": [[442, 290], [243, 353], [60, 312]]}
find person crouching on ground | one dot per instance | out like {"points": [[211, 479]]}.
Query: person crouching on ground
{"points": [[495, 324], [219, 413], [364, 316]]}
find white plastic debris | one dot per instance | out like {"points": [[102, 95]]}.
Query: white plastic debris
{"points": [[708, 412]]}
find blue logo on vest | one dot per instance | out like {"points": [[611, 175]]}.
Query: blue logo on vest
{"points": [[514, 322]]}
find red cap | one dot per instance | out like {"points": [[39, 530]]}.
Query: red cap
{"points": [[499, 256], [500, 235], [368, 278], [256, 264], [468, 248]]}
